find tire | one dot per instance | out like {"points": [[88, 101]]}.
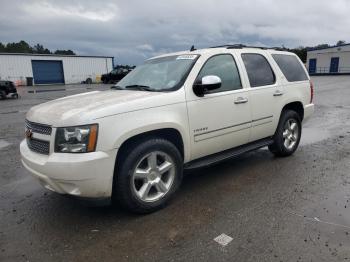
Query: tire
{"points": [[88, 81], [2, 95], [288, 134], [159, 167]]}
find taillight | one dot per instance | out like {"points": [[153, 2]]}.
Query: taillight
{"points": [[311, 91]]}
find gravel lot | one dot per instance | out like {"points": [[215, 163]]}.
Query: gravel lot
{"points": [[274, 209]]}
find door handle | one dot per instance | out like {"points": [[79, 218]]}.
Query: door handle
{"points": [[241, 100], [278, 93]]}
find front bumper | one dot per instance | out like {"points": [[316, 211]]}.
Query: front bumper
{"points": [[86, 175], [308, 111]]}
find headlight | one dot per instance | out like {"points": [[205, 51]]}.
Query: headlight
{"points": [[77, 139]]}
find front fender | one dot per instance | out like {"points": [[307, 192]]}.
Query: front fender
{"points": [[115, 130]]}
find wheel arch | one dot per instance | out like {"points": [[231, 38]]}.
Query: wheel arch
{"points": [[171, 134], [296, 106], [121, 177]]}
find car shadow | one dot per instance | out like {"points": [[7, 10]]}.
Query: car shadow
{"points": [[197, 185]]}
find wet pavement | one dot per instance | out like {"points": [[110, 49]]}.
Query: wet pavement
{"points": [[274, 209]]}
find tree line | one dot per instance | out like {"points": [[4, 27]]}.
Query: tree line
{"points": [[24, 47], [302, 50]]}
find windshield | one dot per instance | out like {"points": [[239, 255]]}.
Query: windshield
{"points": [[159, 74]]}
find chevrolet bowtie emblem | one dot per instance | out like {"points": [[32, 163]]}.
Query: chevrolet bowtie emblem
{"points": [[29, 133]]}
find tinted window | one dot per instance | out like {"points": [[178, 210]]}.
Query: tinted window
{"points": [[290, 67], [224, 67], [258, 69]]}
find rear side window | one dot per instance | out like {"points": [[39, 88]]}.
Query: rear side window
{"points": [[290, 67], [258, 69]]}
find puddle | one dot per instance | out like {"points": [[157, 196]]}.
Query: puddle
{"points": [[313, 135], [8, 112], [3, 144], [45, 90]]}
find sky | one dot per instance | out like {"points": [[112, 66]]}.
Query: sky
{"points": [[133, 31]]}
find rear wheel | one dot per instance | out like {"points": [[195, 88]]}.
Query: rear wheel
{"points": [[149, 175], [288, 134]]}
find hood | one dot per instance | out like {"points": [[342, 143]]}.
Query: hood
{"points": [[86, 107]]}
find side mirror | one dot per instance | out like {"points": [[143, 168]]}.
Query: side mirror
{"points": [[207, 83]]}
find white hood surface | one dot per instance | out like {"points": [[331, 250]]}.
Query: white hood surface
{"points": [[84, 108]]}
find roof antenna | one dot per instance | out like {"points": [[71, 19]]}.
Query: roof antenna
{"points": [[192, 48]]}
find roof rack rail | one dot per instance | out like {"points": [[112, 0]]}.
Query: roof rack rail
{"points": [[240, 46], [229, 46]]}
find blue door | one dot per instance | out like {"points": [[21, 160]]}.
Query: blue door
{"points": [[47, 72], [334, 65], [312, 66]]}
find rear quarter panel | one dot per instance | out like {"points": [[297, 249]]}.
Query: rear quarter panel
{"points": [[293, 91]]}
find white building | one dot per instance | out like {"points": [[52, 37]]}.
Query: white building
{"points": [[53, 69], [330, 60]]}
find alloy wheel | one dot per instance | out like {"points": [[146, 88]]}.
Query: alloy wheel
{"points": [[290, 134], [153, 176]]}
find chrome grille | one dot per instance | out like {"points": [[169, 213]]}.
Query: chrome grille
{"points": [[39, 146], [38, 128]]}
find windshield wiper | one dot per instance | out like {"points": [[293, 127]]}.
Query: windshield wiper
{"points": [[140, 87]]}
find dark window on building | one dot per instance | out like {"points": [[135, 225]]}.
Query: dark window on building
{"points": [[259, 70], [223, 66], [290, 67]]}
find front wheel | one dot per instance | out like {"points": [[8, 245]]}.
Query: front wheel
{"points": [[88, 81], [149, 175], [288, 134], [2, 95]]}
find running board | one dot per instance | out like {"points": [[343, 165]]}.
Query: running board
{"points": [[227, 154]]}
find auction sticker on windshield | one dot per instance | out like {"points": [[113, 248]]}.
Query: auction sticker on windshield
{"points": [[186, 57]]}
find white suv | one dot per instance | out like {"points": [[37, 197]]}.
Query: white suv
{"points": [[177, 111]]}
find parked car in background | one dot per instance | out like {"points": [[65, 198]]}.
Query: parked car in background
{"points": [[115, 75], [8, 90], [177, 111]]}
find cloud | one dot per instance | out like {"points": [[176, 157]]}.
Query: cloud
{"points": [[134, 30], [45, 10], [145, 47]]}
